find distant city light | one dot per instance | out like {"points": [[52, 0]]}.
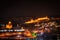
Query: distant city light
{"points": [[37, 20]]}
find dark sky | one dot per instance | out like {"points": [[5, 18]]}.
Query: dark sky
{"points": [[29, 8]]}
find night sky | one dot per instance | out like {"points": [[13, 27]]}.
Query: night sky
{"points": [[29, 8]]}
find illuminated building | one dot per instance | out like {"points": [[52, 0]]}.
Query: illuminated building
{"points": [[9, 25]]}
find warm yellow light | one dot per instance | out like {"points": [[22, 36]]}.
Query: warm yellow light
{"points": [[37, 20], [9, 22], [19, 33], [9, 25]]}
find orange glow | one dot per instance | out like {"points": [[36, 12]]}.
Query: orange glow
{"points": [[9, 34], [2, 35], [27, 33], [19, 33], [37, 20], [9, 25]]}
